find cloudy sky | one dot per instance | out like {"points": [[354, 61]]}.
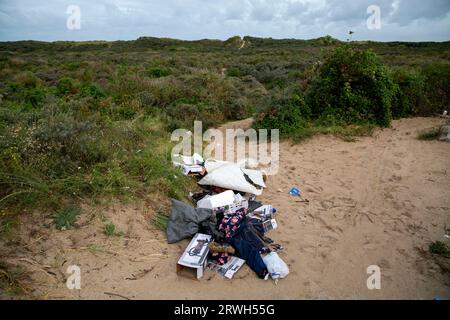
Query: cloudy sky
{"points": [[404, 20]]}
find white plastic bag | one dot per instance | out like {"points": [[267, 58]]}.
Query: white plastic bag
{"points": [[231, 176], [277, 268]]}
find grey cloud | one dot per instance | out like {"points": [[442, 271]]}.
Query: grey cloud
{"points": [[263, 10], [410, 10], [193, 19]]}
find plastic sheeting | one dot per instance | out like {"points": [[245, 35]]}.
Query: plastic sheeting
{"points": [[231, 176]]}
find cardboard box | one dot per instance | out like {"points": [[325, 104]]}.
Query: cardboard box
{"points": [[195, 256]]}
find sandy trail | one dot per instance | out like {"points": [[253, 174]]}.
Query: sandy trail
{"points": [[377, 201]]}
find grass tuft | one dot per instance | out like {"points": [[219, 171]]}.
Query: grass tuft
{"points": [[431, 134], [110, 230], [440, 248]]}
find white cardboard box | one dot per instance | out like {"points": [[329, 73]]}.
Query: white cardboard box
{"points": [[195, 255]]}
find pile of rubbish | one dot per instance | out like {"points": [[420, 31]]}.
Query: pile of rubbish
{"points": [[228, 227]]}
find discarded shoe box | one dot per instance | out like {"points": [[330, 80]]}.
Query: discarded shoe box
{"points": [[226, 201], [194, 259]]}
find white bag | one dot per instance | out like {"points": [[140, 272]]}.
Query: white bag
{"points": [[231, 176], [277, 268]]}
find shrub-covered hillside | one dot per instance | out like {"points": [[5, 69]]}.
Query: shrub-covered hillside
{"points": [[85, 120]]}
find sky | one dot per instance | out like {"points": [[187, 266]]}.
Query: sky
{"points": [[51, 20]]}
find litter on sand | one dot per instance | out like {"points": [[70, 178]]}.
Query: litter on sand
{"points": [[228, 269], [228, 225], [195, 255], [189, 165], [295, 192]]}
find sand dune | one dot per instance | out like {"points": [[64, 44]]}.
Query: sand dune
{"points": [[377, 201]]}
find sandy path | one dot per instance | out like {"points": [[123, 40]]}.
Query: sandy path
{"points": [[377, 201]]}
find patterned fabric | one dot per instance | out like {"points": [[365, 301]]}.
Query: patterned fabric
{"points": [[219, 258], [232, 222]]}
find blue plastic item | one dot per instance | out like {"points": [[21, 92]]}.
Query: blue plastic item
{"points": [[294, 192]]}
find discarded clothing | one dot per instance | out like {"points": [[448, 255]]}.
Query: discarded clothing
{"points": [[219, 258], [249, 245], [231, 223], [185, 221]]}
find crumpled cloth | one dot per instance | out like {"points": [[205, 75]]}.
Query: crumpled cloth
{"points": [[185, 221]]}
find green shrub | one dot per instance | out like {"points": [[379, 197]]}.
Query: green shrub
{"points": [[72, 141], [354, 87], [285, 114], [431, 134], [110, 230], [233, 72], [236, 110], [183, 115], [437, 86], [33, 97], [410, 98], [65, 86], [439, 248], [66, 218], [30, 96], [157, 72], [91, 90]]}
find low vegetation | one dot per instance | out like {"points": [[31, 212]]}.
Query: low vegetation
{"points": [[431, 134], [440, 249], [84, 121], [66, 218], [111, 230]]}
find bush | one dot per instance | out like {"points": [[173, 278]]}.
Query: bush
{"points": [[353, 87], [91, 90], [440, 248], [65, 86], [437, 86], [183, 115], [157, 72], [285, 114], [233, 72], [71, 142], [31, 95], [410, 98]]}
